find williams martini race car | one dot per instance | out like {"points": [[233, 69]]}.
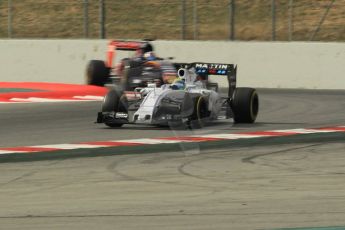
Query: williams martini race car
{"points": [[183, 99]]}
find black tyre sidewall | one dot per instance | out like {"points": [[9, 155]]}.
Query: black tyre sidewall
{"points": [[131, 68], [97, 73], [111, 101], [114, 101], [245, 105]]}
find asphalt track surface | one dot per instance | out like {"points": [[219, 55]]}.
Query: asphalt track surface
{"points": [[265, 186], [56, 123]]}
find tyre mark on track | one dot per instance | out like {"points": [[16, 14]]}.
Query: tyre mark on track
{"points": [[26, 175], [113, 167], [18, 178], [223, 154], [182, 168], [252, 158]]}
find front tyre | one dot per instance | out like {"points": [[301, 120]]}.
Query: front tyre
{"points": [[114, 101], [201, 114], [245, 105]]}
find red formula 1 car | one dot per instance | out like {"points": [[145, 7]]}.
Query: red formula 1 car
{"points": [[129, 64]]}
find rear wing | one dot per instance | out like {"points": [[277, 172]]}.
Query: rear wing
{"points": [[125, 45], [139, 47], [206, 69]]}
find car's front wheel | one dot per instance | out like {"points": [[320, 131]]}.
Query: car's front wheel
{"points": [[114, 101], [201, 114]]}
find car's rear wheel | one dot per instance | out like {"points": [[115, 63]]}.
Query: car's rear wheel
{"points": [[245, 105], [97, 73], [114, 101], [130, 69]]}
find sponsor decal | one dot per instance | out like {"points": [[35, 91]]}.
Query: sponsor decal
{"points": [[121, 115], [212, 66]]}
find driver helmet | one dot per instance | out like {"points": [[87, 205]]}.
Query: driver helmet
{"points": [[150, 56], [169, 78]]}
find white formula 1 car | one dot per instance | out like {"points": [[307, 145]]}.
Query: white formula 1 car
{"points": [[198, 103]]}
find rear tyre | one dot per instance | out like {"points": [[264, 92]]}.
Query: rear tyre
{"points": [[245, 105], [114, 101], [97, 73], [131, 69]]}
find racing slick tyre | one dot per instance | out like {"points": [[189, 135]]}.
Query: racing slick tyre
{"points": [[245, 105], [131, 68], [200, 114], [97, 73], [114, 101]]}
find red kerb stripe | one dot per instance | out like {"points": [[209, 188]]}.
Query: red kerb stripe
{"points": [[269, 133], [190, 138], [29, 149], [111, 143]]}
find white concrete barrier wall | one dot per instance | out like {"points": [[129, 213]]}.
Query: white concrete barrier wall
{"points": [[48, 60], [270, 64], [260, 64]]}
